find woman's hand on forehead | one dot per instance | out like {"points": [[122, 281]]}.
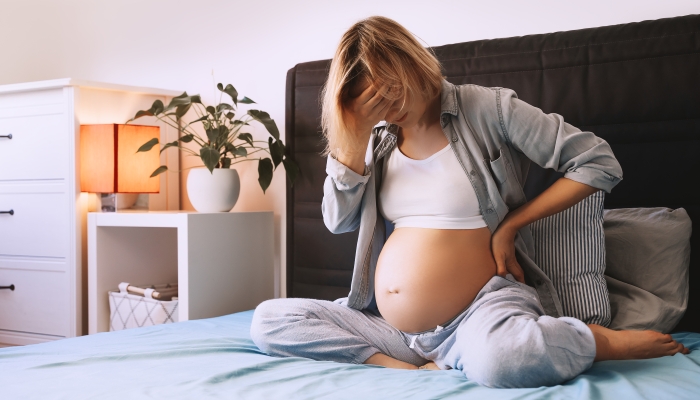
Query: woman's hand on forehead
{"points": [[366, 110], [361, 114]]}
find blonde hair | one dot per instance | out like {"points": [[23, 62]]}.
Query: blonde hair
{"points": [[383, 52]]}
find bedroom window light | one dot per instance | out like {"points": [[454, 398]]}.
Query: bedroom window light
{"points": [[110, 164]]}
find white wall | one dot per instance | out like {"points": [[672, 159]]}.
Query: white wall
{"points": [[176, 44]]}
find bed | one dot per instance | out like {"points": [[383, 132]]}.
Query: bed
{"points": [[635, 85], [215, 358]]}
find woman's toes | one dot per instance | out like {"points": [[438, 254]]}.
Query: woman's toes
{"points": [[661, 337], [678, 348]]}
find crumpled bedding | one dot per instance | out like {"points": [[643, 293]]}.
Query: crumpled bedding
{"points": [[215, 358]]}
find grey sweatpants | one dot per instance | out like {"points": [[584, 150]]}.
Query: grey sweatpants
{"points": [[503, 339]]}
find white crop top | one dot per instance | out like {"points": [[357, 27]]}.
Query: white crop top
{"points": [[432, 193]]}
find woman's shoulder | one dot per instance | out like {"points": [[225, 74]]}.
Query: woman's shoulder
{"points": [[481, 104], [482, 95]]}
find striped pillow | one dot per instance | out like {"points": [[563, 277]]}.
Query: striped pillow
{"points": [[570, 249]]}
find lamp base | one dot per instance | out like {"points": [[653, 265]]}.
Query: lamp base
{"points": [[108, 202]]}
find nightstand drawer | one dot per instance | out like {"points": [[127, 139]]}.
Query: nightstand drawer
{"points": [[39, 303], [38, 149], [39, 221]]}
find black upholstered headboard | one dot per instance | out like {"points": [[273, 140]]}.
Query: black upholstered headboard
{"points": [[635, 85]]}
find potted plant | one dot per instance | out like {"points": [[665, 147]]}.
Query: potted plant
{"points": [[215, 188]]}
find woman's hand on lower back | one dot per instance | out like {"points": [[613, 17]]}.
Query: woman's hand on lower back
{"points": [[503, 249]]}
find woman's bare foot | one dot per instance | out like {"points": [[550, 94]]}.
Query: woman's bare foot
{"points": [[431, 366], [389, 362], [629, 345]]}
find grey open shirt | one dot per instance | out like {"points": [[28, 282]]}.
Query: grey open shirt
{"points": [[495, 136]]}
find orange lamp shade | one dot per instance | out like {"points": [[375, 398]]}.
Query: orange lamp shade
{"points": [[109, 162]]}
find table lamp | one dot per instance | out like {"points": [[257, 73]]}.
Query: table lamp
{"points": [[109, 163]]}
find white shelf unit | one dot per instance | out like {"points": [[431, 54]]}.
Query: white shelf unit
{"points": [[42, 245], [223, 262]]}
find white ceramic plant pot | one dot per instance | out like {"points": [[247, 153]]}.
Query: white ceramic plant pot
{"points": [[213, 192]]}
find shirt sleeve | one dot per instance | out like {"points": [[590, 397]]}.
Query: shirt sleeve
{"points": [[343, 177], [342, 196], [552, 143]]}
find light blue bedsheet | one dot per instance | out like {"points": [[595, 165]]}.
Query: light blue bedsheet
{"points": [[215, 358]]}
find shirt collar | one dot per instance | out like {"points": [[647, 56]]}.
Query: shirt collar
{"points": [[448, 98]]}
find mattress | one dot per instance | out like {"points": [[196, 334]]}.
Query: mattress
{"points": [[215, 358]]}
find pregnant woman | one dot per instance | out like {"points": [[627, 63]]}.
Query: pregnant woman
{"points": [[446, 289]]}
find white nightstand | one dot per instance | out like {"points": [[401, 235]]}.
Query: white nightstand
{"points": [[42, 242], [222, 262]]}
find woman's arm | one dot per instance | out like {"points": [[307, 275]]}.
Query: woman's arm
{"points": [[347, 174], [342, 196], [587, 161], [563, 194], [551, 143]]}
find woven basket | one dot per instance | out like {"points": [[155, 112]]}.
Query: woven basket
{"points": [[134, 311]]}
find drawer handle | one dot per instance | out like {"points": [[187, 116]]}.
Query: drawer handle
{"points": [[6, 136], [11, 287], [11, 212]]}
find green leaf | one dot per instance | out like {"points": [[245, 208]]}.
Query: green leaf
{"points": [[223, 106], [187, 138], [178, 101], [247, 137], [159, 170], [230, 115], [276, 151], [148, 145], [216, 134], [292, 170], [210, 157], [155, 109], [211, 110], [196, 99], [182, 110], [229, 90], [168, 145], [245, 100], [212, 134], [264, 173], [236, 151], [240, 152], [142, 113], [202, 118], [225, 162], [223, 132], [239, 122], [269, 123]]}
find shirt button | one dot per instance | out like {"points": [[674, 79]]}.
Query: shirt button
{"points": [[473, 173], [454, 138], [538, 282], [489, 211]]}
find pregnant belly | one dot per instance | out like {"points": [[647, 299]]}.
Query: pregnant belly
{"points": [[425, 277]]}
